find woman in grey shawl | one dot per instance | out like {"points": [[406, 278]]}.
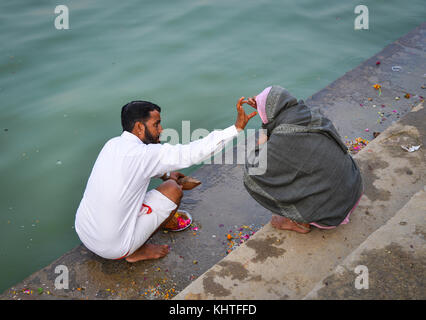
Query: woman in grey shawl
{"points": [[310, 177]]}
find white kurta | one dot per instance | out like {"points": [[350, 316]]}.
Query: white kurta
{"points": [[106, 217]]}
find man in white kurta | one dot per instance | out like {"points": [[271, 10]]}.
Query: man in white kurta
{"points": [[117, 215]]}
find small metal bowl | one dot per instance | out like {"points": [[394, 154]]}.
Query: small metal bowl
{"points": [[189, 217]]}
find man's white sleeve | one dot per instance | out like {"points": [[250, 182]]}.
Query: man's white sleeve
{"points": [[161, 158]]}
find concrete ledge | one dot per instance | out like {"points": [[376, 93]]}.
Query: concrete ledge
{"points": [[346, 100]]}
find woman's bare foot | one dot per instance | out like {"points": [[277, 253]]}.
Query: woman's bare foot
{"points": [[284, 223], [147, 252]]}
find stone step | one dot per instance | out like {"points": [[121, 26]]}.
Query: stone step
{"points": [[389, 264]]}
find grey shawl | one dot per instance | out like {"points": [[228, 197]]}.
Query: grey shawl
{"points": [[310, 176]]}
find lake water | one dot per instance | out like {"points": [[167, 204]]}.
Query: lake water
{"points": [[61, 91]]}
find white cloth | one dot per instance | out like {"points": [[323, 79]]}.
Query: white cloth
{"points": [[107, 215], [149, 221]]}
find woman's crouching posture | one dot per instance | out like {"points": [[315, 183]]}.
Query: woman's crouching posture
{"points": [[310, 177]]}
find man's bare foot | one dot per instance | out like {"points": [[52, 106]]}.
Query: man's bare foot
{"points": [[284, 223], [147, 252]]}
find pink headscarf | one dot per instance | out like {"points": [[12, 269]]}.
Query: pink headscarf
{"points": [[261, 104]]}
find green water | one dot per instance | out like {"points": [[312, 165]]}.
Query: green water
{"points": [[61, 91]]}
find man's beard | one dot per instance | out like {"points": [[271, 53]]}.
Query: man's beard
{"points": [[149, 138]]}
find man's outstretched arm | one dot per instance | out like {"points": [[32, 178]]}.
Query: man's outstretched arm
{"points": [[161, 158]]}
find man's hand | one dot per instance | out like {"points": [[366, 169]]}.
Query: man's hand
{"points": [[176, 175], [242, 117], [173, 175], [252, 102]]}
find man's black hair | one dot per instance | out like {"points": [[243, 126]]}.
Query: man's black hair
{"points": [[136, 111]]}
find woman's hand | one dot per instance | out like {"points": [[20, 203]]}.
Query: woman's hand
{"points": [[242, 117], [262, 137]]}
